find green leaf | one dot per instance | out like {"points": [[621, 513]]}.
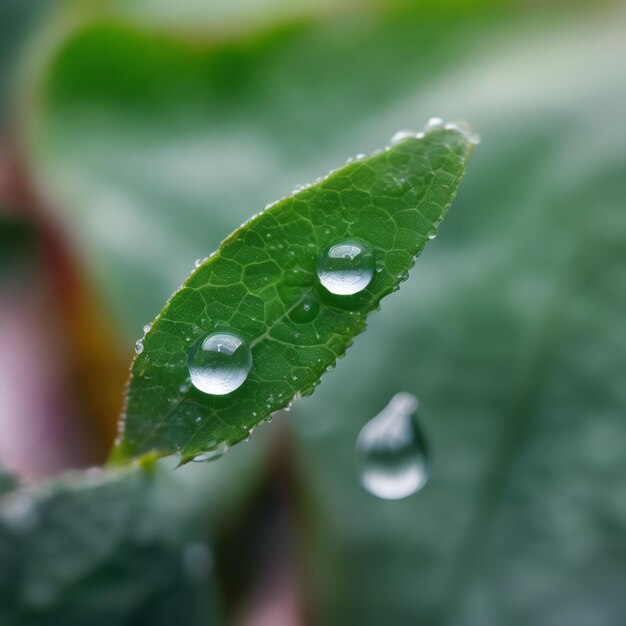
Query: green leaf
{"points": [[263, 274], [93, 549]]}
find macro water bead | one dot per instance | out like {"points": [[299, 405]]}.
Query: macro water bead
{"points": [[392, 451], [346, 268], [220, 363]]}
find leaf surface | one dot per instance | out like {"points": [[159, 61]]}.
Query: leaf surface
{"points": [[262, 285]]}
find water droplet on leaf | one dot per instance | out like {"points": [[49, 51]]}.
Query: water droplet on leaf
{"points": [[212, 455], [433, 124], [392, 451], [306, 310], [346, 268], [401, 135], [220, 363], [139, 346]]}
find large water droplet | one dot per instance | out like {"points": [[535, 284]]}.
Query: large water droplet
{"points": [[392, 451], [220, 363], [346, 268], [306, 310]]}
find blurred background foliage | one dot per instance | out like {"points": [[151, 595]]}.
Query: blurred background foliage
{"points": [[137, 135]]}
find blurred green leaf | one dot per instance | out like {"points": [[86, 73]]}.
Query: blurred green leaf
{"points": [[258, 282], [93, 550]]}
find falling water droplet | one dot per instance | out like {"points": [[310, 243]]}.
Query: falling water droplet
{"points": [[392, 451], [346, 268], [220, 363], [306, 310]]}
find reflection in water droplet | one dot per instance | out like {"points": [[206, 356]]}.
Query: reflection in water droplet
{"points": [[306, 310], [346, 268], [392, 451], [219, 364]]}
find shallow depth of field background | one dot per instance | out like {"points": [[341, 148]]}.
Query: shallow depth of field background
{"points": [[136, 135]]}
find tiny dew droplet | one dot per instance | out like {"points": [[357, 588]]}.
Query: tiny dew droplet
{"points": [[198, 262], [401, 135], [392, 451], [212, 455], [306, 310], [433, 123], [346, 268], [147, 328], [138, 346], [220, 363]]}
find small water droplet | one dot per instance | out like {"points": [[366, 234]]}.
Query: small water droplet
{"points": [[346, 268], [401, 135], [197, 262], [147, 327], [138, 346], [212, 455], [306, 310], [392, 451], [466, 130], [220, 363], [433, 123], [198, 419]]}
